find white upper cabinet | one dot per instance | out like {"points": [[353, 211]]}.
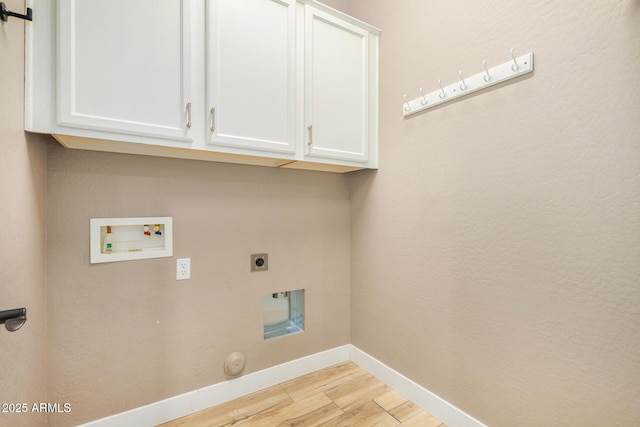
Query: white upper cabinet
{"points": [[251, 74], [336, 91], [282, 83], [124, 66]]}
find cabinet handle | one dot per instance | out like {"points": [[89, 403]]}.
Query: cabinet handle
{"points": [[188, 115], [310, 128], [213, 119]]}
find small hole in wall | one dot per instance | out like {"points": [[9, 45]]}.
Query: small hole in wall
{"points": [[283, 313]]}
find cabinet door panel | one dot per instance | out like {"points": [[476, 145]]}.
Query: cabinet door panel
{"points": [[336, 88], [251, 73], [124, 66]]}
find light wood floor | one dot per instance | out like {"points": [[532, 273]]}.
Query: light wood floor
{"points": [[341, 395]]}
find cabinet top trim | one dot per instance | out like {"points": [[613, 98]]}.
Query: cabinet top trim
{"points": [[323, 7]]}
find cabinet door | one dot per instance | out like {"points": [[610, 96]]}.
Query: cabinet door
{"points": [[124, 66], [251, 74], [336, 88]]}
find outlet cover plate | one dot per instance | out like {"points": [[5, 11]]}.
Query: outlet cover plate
{"points": [[259, 262], [183, 268]]}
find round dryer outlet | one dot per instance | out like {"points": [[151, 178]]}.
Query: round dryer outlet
{"points": [[234, 365]]}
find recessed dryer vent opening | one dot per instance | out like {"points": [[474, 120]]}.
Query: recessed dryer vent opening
{"points": [[283, 313]]}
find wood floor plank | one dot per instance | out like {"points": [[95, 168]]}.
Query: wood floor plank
{"points": [[391, 399], [357, 391], [315, 418], [368, 414], [285, 414], [423, 419], [326, 379], [405, 411]]}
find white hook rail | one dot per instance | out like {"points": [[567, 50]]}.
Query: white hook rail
{"points": [[513, 68]]}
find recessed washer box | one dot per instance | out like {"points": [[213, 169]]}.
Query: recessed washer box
{"points": [[125, 239]]}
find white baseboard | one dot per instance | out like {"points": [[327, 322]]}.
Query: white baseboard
{"points": [[188, 403]]}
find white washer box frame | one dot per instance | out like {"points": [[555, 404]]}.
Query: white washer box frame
{"points": [[142, 247]]}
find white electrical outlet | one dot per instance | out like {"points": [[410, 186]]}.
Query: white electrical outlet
{"points": [[183, 268]]}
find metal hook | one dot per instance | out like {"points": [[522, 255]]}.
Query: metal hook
{"points": [[407, 107], [463, 86], [443, 94], [423, 101], [515, 66], [487, 77], [5, 14]]}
